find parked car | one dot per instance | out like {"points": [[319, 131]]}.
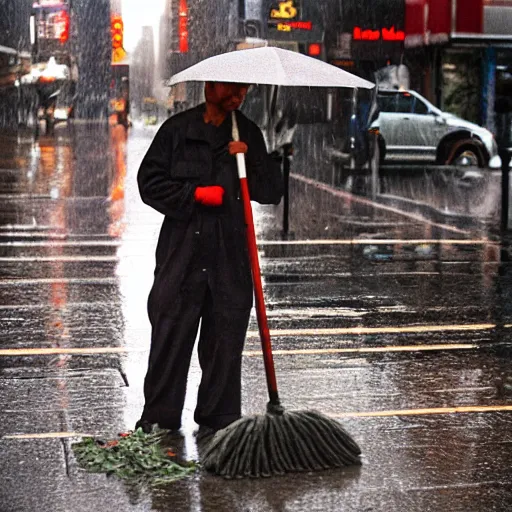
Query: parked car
{"points": [[412, 129]]}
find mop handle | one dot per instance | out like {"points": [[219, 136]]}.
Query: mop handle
{"points": [[261, 312]]}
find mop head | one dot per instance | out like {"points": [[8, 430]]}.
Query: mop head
{"points": [[274, 444]]}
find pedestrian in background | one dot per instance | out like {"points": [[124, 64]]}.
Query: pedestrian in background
{"points": [[202, 272]]}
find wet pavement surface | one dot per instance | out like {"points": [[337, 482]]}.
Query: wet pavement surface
{"points": [[397, 325]]}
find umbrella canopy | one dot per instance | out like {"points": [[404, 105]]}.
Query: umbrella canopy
{"points": [[272, 66]]}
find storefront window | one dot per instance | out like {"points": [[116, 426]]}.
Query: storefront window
{"points": [[461, 73]]}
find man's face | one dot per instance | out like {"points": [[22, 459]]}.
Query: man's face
{"points": [[226, 96]]}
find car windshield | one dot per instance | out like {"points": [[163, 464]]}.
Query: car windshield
{"points": [[403, 102], [387, 103]]}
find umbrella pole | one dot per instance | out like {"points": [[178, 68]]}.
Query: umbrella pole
{"points": [[261, 312]]}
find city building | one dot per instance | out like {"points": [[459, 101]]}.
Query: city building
{"points": [[15, 57], [92, 47], [464, 49], [142, 82], [193, 30]]}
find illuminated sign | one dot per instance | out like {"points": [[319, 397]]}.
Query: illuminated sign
{"points": [[288, 26], [385, 34], [343, 63], [285, 11], [283, 27], [53, 25], [296, 20], [118, 55], [116, 30], [182, 26], [62, 26]]}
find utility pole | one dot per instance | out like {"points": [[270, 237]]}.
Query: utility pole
{"points": [[503, 109]]}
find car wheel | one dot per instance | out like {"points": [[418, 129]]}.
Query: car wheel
{"points": [[465, 154]]}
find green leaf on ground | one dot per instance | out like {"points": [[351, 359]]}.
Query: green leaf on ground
{"points": [[137, 456]]}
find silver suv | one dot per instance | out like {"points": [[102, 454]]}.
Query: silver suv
{"points": [[412, 129]]}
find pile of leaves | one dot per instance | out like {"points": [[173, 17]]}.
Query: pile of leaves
{"points": [[135, 456]]}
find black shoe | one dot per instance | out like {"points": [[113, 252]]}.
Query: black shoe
{"points": [[174, 426], [145, 425], [204, 433]]}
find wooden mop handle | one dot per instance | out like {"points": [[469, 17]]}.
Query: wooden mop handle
{"points": [[261, 312]]}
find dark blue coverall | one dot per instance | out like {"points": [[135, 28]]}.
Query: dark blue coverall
{"points": [[202, 267]]}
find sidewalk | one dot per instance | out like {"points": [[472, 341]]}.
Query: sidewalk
{"points": [[398, 327]]}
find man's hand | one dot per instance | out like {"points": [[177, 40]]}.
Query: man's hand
{"points": [[237, 147], [209, 196]]}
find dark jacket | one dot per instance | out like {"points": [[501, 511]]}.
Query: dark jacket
{"points": [[180, 158]]}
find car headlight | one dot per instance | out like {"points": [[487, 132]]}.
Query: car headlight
{"points": [[494, 145]]}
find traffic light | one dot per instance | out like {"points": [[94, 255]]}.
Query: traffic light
{"points": [[116, 29], [315, 50]]}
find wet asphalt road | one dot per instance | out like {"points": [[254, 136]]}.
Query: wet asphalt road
{"points": [[398, 326]]}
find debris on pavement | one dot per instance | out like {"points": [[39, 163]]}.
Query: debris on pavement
{"points": [[135, 455]]}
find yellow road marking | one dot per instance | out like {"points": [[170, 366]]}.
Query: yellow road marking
{"points": [[249, 353], [421, 412], [407, 348], [375, 330], [367, 414], [58, 258], [380, 241], [60, 242], [320, 241], [47, 435], [66, 280], [49, 351], [277, 333]]}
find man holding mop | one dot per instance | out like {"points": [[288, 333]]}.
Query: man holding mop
{"points": [[202, 273]]}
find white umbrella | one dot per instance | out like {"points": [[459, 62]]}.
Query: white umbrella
{"points": [[271, 66]]}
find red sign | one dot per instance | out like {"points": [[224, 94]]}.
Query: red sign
{"points": [[431, 21], [386, 34], [182, 26], [63, 22], [469, 16], [298, 25], [440, 17], [415, 12]]}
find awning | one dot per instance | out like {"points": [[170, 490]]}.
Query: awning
{"points": [[481, 40]]}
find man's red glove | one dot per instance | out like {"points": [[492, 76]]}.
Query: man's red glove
{"points": [[237, 146], [209, 196]]}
